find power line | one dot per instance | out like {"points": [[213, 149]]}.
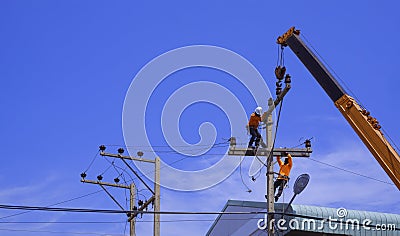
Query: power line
{"points": [[99, 191], [166, 146], [58, 232], [351, 172], [91, 163], [241, 176], [118, 222], [62, 222], [186, 148], [55, 204], [166, 213], [108, 211]]}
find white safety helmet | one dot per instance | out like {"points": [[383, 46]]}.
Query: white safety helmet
{"points": [[258, 111]]}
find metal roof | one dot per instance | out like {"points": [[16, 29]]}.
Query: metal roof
{"points": [[304, 218]]}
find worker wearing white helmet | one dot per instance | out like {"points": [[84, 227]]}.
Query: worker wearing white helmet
{"points": [[254, 121]]}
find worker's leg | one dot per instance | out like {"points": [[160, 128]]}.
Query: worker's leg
{"points": [[253, 136], [280, 190], [258, 137], [277, 183]]}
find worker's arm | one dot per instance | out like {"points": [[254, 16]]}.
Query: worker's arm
{"points": [[278, 159], [290, 160]]}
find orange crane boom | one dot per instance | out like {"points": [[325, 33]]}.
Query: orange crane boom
{"points": [[366, 127]]}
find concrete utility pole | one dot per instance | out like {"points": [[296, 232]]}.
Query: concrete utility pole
{"points": [[270, 176], [132, 194], [270, 152], [267, 118], [155, 199], [133, 209]]}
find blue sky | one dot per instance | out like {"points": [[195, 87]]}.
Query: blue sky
{"points": [[66, 66]]}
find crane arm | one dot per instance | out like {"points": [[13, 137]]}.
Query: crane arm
{"points": [[366, 127]]}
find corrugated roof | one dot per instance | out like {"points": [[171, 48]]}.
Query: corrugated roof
{"points": [[313, 219]]}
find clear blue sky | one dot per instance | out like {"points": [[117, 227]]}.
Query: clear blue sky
{"points": [[65, 68]]}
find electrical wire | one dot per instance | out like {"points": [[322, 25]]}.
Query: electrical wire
{"points": [[243, 213], [108, 211], [58, 232], [120, 174], [111, 164], [204, 147], [123, 170], [173, 162], [349, 171], [62, 222], [91, 163], [301, 144], [391, 140], [339, 168], [241, 176], [58, 203], [55, 204], [126, 224], [389, 154]]}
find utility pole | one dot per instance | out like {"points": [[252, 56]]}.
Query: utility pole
{"points": [[131, 208], [270, 173], [132, 194], [155, 198], [269, 150]]}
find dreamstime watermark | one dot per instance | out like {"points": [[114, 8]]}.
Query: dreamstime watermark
{"points": [[339, 222], [148, 85]]}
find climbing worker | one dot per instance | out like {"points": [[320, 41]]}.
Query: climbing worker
{"points": [[284, 172], [254, 121]]}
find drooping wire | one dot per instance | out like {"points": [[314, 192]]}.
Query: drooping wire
{"points": [[255, 177], [107, 168], [59, 203], [98, 191], [241, 176], [123, 178], [93, 159], [55, 204], [123, 170], [301, 144], [126, 224], [122, 175]]}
